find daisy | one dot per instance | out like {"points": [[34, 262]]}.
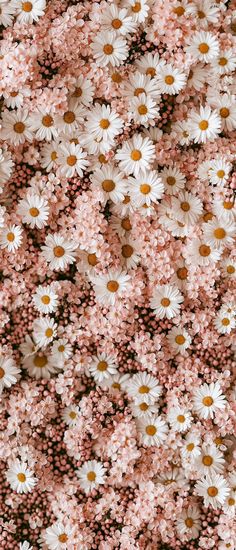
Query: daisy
{"points": [[146, 188], [28, 12], [6, 166], [174, 479], [197, 76], [136, 155], [129, 255], [109, 287], [43, 124], [144, 110], [143, 387], [139, 84], [121, 225], [170, 79], [103, 124], [45, 299], [143, 409], [39, 365], [219, 233], [44, 330], [34, 210], [199, 252], [149, 64], [102, 367], [190, 448], [210, 461], [226, 109], [173, 180], [138, 10], [61, 351], [230, 504], [181, 130], [20, 478], [187, 208], [219, 171], [15, 99], [15, 126], [188, 523], [117, 20], [225, 63], [176, 228], [180, 278], [153, 430], [204, 125], [70, 415], [49, 156], [91, 475], [117, 382], [166, 301], [87, 261], [229, 268], [213, 488], [8, 372], [111, 182], [203, 46], [207, 399], [71, 160], [7, 12], [84, 90], [224, 323], [57, 536], [180, 419], [68, 122], [206, 13], [178, 339], [107, 48], [58, 251], [11, 237]]}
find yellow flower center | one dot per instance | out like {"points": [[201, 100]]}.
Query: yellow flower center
{"points": [[108, 49], [34, 212], [180, 339], [151, 430], [219, 233], [112, 286], [145, 188], [91, 476], [53, 155], [203, 125], [144, 389], [102, 366], [207, 401], [58, 251], [40, 361], [203, 48], [165, 302], [21, 477], [48, 332], [142, 109], [19, 127], [108, 185], [136, 154], [47, 121], [69, 117], [207, 460]]}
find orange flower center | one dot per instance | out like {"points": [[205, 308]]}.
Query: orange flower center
{"points": [[92, 259], [204, 250], [222, 61], [207, 401], [48, 332], [185, 206], [203, 48], [47, 121], [145, 188], [144, 389], [126, 224], [127, 251], [139, 91], [108, 185], [165, 302], [27, 6], [71, 160], [2, 372], [203, 125], [179, 10], [10, 237], [116, 23], [189, 522], [143, 406], [219, 233], [182, 273], [45, 299], [230, 269], [171, 180], [112, 286], [212, 491], [40, 361], [34, 212], [151, 72], [190, 447], [207, 460], [136, 155], [102, 366], [228, 205], [69, 117], [169, 79], [180, 339], [63, 537], [224, 112], [181, 418], [104, 123], [225, 322], [58, 251], [108, 49], [21, 477], [136, 7], [91, 476], [151, 430], [19, 127]]}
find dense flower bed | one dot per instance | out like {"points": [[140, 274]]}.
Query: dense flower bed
{"points": [[117, 274]]}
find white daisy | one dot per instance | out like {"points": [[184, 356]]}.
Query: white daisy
{"points": [[199, 252], [49, 156], [61, 350], [145, 188], [70, 415], [203, 46], [91, 475], [226, 109], [68, 122], [129, 252], [205, 12], [71, 160], [188, 523], [180, 277], [143, 387], [173, 179], [207, 399], [144, 110], [229, 507], [138, 10], [219, 233], [15, 126], [43, 124], [143, 409], [39, 365], [219, 171], [178, 339], [224, 323], [6, 166], [104, 125], [181, 130], [170, 79], [210, 461], [197, 76], [21, 479], [57, 536], [117, 20], [190, 449], [121, 225], [204, 125], [229, 268], [11, 237], [136, 155], [153, 430], [225, 63], [174, 478], [109, 287], [44, 330], [102, 366], [111, 182], [176, 228], [28, 12], [84, 90], [8, 372], [166, 301], [58, 251], [214, 490], [117, 382], [179, 418], [7, 12], [187, 208], [15, 99], [139, 84], [149, 64], [107, 48], [34, 210], [45, 299]]}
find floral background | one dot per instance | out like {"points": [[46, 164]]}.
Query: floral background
{"points": [[117, 274]]}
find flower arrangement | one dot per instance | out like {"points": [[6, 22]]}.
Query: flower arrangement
{"points": [[117, 274]]}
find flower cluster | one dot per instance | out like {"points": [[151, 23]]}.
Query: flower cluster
{"points": [[117, 274]]}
